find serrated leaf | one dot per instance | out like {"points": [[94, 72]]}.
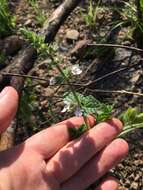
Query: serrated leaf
{"points": [[90, 105]]}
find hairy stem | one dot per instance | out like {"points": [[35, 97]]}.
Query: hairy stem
{"points": [[73, 91]]}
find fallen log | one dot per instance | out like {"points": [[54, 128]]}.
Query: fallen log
{"points": [[11, 45], [26, 62], [22, 64], [58, 18]]}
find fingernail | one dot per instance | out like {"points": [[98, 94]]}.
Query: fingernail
{"points": [[4, 92]]}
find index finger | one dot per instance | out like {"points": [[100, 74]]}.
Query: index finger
{"points": [[50, 140]]}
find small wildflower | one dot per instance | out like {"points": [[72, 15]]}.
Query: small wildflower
{"points": [[66, 107], [52, 81], [76, 70], [78, 112]]}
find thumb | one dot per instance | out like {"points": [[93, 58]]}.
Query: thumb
{"points": [[8, 107]]}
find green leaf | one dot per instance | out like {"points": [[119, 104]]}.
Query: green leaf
{"points": [[139, 118], [75, 133], [36, 41], [129, 116], [132, 120], [90, 105], [2, 58], [7, 21], [141, 4]]}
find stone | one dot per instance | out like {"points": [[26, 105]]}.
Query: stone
{"points": [[28, 22], [134, 185], [135, 77], [72, 35]]}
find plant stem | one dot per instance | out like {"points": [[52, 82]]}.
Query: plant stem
{"points": [[73, 91], [130, 128]]}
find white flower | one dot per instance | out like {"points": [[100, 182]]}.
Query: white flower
{"points": [[78, 112], [52, 81], [66, 107], [76, 70]]}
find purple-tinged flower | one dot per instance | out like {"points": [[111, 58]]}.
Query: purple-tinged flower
{"points": [[78, 112]]}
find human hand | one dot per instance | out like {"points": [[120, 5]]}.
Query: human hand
{"points": [[50, 161]]}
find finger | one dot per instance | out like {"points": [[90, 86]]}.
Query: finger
{"points": [[98, 166], [110, 183], [49, 141], [78, 120], [8, 107], [75, 154]]}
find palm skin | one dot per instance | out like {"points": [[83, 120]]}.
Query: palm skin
{"points": [[50, 161]]}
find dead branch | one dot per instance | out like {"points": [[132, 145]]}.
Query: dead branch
{"points": [[11, 45], [10, 74], [25, 61], [24, 76], [117, 46], [58, 18], [93, 82], [8, 47], [21, 65], [116, 92]]}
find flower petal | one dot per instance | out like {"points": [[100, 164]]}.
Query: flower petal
{"points": [[76, 70]]}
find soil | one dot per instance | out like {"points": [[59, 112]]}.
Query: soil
{"points": [[130, 171]]}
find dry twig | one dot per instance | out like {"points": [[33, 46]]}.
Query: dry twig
{"points": [[117, 46], [116, 91]]}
